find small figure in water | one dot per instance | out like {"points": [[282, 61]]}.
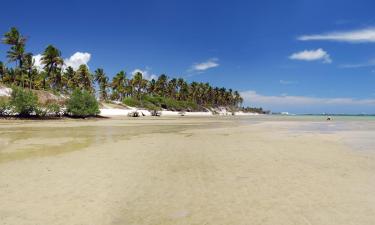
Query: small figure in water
{"points": [[329, 118]]}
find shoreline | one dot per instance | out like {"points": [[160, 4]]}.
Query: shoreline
{"points": [[143, 112]]}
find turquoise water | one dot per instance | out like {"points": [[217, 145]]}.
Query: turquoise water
{"points": [[324, 118]]}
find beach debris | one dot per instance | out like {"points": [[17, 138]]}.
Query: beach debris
{"points": [[155, 113], [182, 113], [134, 114]]}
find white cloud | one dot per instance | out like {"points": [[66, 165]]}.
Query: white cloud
{"points": [[359, 65], [312, 55], [74, 61], [210, 63], [77, 59], [38, 62], [146, 73], [307, 104], [352, 36]]}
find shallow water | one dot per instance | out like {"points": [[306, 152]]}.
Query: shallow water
{"points": [[28, 139], [247, 170]]}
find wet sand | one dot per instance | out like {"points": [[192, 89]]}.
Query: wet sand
{"points": [[187, 171]]}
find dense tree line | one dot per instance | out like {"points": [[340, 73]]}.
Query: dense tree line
{"points": [[55, 76]]}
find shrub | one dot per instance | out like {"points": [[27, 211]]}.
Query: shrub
{"points": [[132, 102], [24, 102], [4, 107], [41, 111], [82, 104], [157, 102], [54, 109]]}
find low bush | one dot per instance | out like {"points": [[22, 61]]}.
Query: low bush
{"points": [[41, 111], [157, 103], [4, 107], [54, 109], [82, 104], [23, 102], [132, 102]]}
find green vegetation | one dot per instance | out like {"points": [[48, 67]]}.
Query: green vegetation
{"points": [[157, 103], [4, 107], [23, 102], [55, 77], [82, 104], [54, 109], [255, 110]]}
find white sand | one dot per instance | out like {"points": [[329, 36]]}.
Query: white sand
{"points": [[125, 112], [5, 92]]}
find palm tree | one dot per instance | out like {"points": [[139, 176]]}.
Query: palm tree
{"points": [[29, 66], [69, 79], [17, 43], [139, 84], [119, 85], [2, 71], [51, 58], [172, 88], [237, 98], [193, 91], [151, 87], [102, 80], [84, 78], [161, 85]]}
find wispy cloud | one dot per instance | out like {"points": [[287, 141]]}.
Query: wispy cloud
{"points": [[312, 55], [210, 63], [359, 65], [254, 97], [287, 82], [351, 36], [304, 103], [145, 73]]}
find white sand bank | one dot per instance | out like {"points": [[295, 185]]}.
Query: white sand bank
{"points": [[111, 112]]}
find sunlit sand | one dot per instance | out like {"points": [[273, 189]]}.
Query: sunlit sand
{"points": [[164, 171]]}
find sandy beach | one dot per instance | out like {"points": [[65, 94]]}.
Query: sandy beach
{"points": [[214, 170]]}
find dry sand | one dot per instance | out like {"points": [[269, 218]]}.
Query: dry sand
{"points": [[182, 171]]}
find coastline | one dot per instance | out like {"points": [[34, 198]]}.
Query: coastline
{"points": [[113, 112]]}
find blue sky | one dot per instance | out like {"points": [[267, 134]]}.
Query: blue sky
{"points": [[297, 56]]}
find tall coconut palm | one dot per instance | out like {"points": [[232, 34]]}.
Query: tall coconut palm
{"points": [[102, 80], [29, 66], [139, 85], [151, 87], [84, 78], [172, 88], [51, 58], [193, 91], [2, 71], [69, 79], [119, 85], [237, 98], [17, 43], [161, 85]]}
